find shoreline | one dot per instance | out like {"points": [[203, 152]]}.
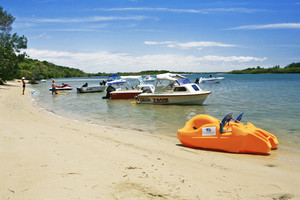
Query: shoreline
{"points": [[47, 157]]}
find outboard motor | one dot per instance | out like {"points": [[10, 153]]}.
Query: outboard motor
{"points": [[146, 90], [103, 82], [109, 89]]}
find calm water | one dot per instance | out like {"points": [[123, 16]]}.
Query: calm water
{"points": [[269, 101]]}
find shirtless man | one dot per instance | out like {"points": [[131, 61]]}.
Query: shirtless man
{"points": [[53, 87]]}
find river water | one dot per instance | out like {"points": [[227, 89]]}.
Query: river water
{"points": [[269, 101]]}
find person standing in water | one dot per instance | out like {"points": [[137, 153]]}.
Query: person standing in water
{"points": [[23, 84], [53, 87]]}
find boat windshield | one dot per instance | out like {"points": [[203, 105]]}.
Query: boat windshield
{"points": [[196, 88], [113, 77], [183, 81]]}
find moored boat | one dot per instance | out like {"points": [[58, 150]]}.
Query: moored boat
{"points": [[177, 90], [207, 132], [62, 87], [211, 79], [90, 89], [149, 79], [126, 93], [114, 80]]}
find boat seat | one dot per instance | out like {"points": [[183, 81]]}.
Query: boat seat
{"points": [[201, 120]]}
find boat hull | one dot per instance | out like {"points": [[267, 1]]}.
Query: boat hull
{"points": [[167, 99], [117, 82], [203, 131], [211, 80], [149, 80], [91, 89], [62, 88], [127, 94]]}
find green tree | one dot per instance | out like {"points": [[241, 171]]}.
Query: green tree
{"points": [[10, 48]]}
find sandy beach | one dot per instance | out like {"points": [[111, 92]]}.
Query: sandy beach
{"points": [[43, 156]]}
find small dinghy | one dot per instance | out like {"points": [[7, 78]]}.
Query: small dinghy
{"points": [[210, 79], [149, 79], [89, 89], [207, 132]]}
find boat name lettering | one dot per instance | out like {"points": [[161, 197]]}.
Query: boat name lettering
{"points": [[160, 100], [144, 100]]}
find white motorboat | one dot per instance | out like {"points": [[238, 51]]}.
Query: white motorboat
{"points": [[114, 79], [174, 89], [131, 93], [211, 79], [149, 79], [89, 89]]}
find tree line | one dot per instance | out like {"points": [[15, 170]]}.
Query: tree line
{"points": [[291, 68], [15, 64], [35, 69], [147, 72], [11, 45]]}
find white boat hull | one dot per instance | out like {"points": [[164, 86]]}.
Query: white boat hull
{"points": [[116, 82], [211, 80], [90, 89], [149, 80], [183, 99]]}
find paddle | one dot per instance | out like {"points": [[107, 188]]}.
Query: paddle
{"points": [[238, 119]]}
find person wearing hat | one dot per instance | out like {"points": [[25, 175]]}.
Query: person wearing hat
{"points": [[23, 83]]}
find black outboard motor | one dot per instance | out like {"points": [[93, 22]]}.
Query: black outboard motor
{"points": [[103, 82], [109, 89], [197, 81], [146, 90]]}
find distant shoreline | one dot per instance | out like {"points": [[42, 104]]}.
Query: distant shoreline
{"points": [[35, 69]]}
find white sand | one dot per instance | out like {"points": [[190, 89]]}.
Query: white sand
{"points": [[46, 157]]}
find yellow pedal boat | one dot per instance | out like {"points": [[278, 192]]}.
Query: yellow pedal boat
{"points": [[207, 132]]}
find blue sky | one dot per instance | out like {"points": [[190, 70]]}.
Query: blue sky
{"points": [[176, 35]]}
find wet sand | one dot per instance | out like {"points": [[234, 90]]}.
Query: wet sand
{"points": [[43, 156]]}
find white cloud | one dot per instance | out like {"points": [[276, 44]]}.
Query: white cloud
{"points": [[104, 61], [23, 25], [232, 58], [269, 26], [42, 35], [188, 45], [84, 19], [197, 11], [158, 43], [204, 44]]}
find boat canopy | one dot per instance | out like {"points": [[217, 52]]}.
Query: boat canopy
{"points": [[183, 81], [134, 80], [170, 77], [113, 76]]}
